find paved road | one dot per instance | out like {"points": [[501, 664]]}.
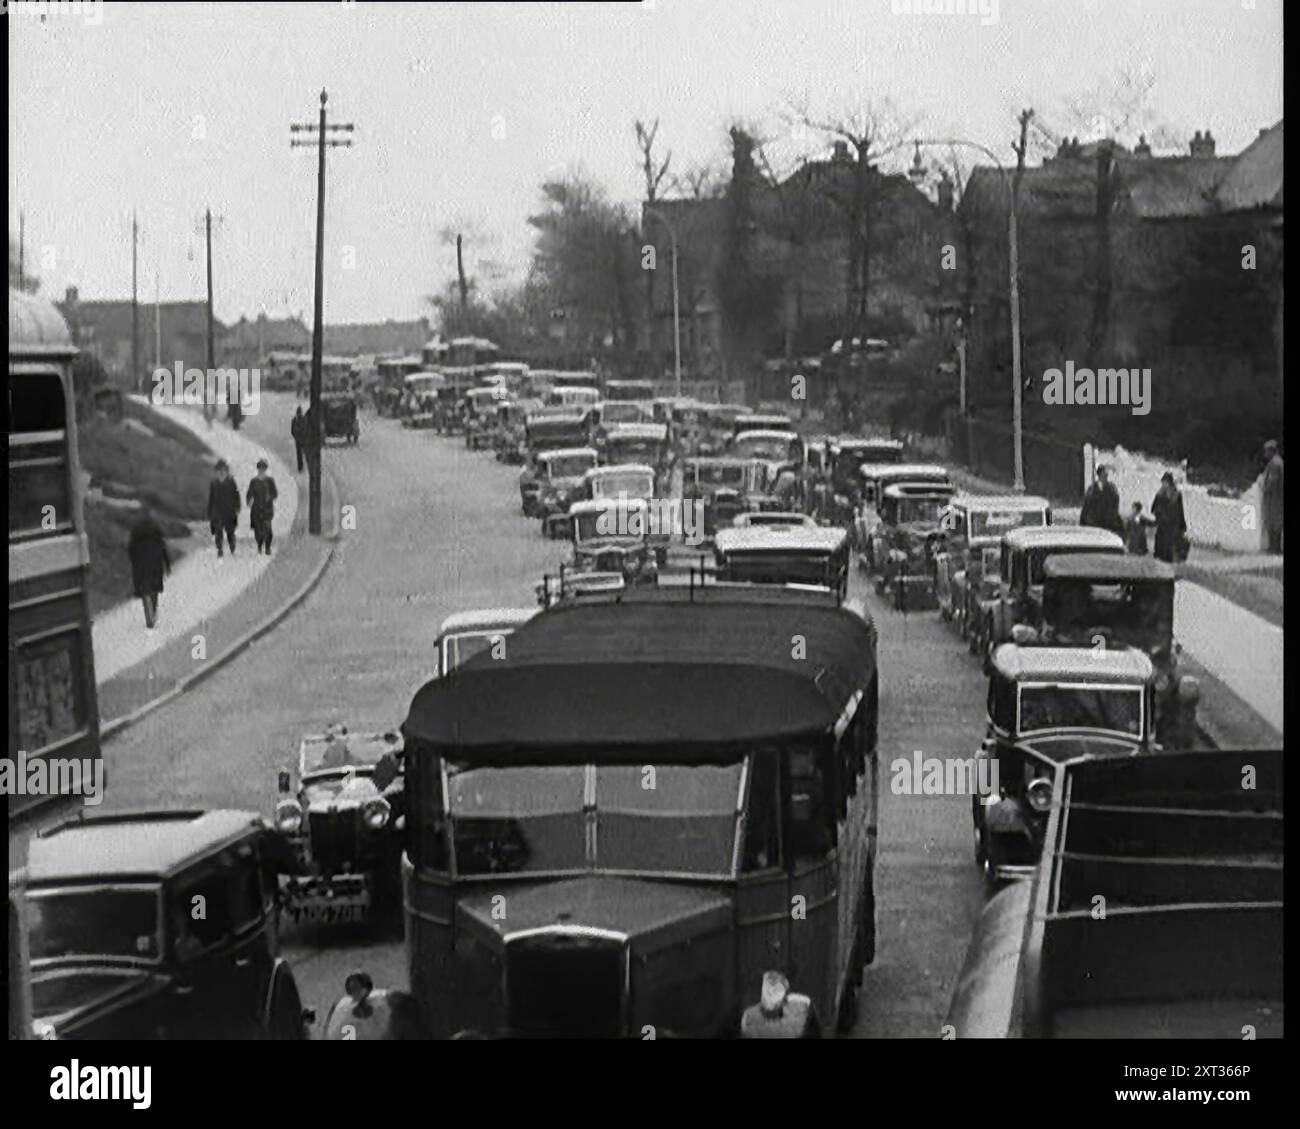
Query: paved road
{"points": [[437, 530]]}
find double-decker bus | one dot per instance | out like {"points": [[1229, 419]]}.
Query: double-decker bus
{"points": [[53, 709]]}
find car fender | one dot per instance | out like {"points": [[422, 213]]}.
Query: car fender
{"points": [[281, 972]]}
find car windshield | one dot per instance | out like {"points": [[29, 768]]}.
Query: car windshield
{"points": [[613, 522], [994, 523], [920, 510], [121, 921], [632, 450], [1117, 708], [1136, 613], [658, 818], [458, 649], [635, 484], [622, 413], [762, 447], [570, 466], [720, 475]]}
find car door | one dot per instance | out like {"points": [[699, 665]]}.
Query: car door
{"points": [[204, 981]]}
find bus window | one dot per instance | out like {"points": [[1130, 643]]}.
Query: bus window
{"points": [[40, 489], [426, 810], [763, 815], [811, 828]]}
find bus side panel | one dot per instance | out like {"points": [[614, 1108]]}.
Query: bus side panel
{"points": [[814, 945], [763, 926], [430, 917]]}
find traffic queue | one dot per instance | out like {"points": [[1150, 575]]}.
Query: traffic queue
{"points": [[640, 767]]}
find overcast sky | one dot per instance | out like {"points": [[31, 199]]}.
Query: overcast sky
{"points": [[461, 111]]}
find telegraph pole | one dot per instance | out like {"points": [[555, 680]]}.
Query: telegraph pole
{"points": [[22, 246], [209, 409], [1013, 256], [135, 307], [321, 140]]}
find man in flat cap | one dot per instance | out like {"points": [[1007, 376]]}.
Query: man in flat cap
{"points": [[223, 507], [1271, 488], [261, 506]]}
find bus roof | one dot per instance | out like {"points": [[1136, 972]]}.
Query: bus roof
{"points": [[669, 673], [779, 539], [35, 326]]}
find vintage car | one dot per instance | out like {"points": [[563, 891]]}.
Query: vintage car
{"points": [[903, 545], [847, 455], [117, 950], [784, 554], [569, 582], [343, 819], [480, 411], [548, 429], [640, 443], [715, 428], [466, 634], [773, 517], [726, 487], [628, 480], [573, 396], [556, 479], [419, 403], [1105, 600], [781, 450], [508, 432], [1046, 706], [611, 535], [1019, 598], [647, 845], [966, 566], [609, 413], [876, 478], [338, 418]]}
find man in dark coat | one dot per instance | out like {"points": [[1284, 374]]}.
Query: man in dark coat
{"points": [[149, 561], [1171, 524], [297, 429], [1271, 488], [261, 506], [1101, 504], [223, 507]]}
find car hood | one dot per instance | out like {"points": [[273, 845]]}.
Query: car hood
{"points": [[649, 913], [68, 995], [1067, 746]]}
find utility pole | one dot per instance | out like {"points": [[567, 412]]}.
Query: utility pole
{"points": [[321, 140], [460, 275], [1013, 255], [157, 320], [135, 307], [209, 409], [22, 246]]}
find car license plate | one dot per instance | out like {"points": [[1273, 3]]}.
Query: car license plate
{"points": [[332, 911]]}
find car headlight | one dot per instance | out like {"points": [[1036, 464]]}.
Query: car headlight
{"points": [[375, 813], [41, 1029], [1039, 794], [288, 816]]}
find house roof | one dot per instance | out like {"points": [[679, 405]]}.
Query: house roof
{"points": [[1255, 179]]}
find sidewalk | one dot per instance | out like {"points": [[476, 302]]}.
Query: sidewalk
{"points": [[222, 600], [201, 584]]}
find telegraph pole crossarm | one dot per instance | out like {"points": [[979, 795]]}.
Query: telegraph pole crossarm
{"points": [[319, 137]]}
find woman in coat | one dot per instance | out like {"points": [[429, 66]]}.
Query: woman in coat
{"points": [[261, 506], [149, 561], [1171, 524]]}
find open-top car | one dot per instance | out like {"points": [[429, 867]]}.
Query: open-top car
{"points": [[343, 818], [609, 826], [338, 418], [904, 543], [1105, 600], [1047, 706], [551, 479], [966, 566], [158, 925], [784, 554], [611, 535], [1019, 599]]}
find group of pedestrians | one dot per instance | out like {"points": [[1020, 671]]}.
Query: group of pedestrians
{"points": [[1101, 509], [224, 505]]}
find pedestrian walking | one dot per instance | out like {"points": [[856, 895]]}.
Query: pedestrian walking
{"points": [[1101, 504], [223, 507], [297, 429], [1171, 524], [1135, 531], [147, 549], [1271, 488], [261, 506]]}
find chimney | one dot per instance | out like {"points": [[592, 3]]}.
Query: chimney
{"points": [[944, 191], [1202, 146], [1142, 149], [840, 151], [70, 296]]}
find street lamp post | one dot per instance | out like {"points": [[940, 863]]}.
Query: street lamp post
{"points": [[677, 305], [917, 173]]}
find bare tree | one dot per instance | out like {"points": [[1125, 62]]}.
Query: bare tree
{"points": [[703, 180], [868, 132], [655, 172]]}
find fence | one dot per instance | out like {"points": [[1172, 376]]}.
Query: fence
{"points": [[1053, 467]]}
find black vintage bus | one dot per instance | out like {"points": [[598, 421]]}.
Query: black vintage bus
{"points": [[53, 710], [652, 798]]}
